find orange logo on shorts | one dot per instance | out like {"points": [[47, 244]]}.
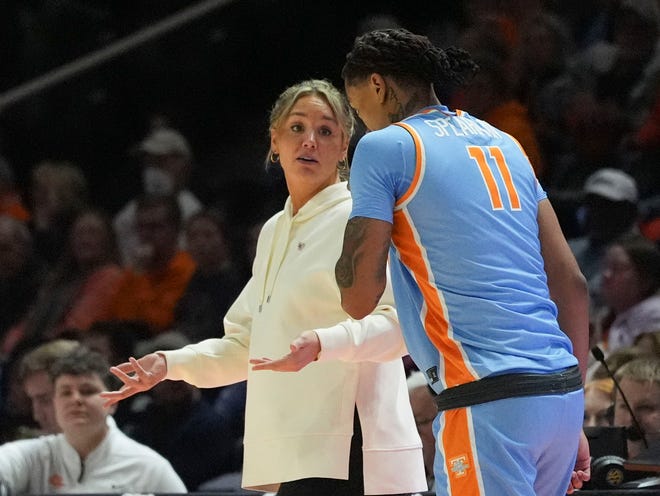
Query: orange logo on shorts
{"points": [[459, 466]]}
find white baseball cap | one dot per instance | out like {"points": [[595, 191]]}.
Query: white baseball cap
{"points": [[613, 184], [165, 141]]}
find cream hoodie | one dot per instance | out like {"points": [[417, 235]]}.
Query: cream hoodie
{"points": [[299, 425]]}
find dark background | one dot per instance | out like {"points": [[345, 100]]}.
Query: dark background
{"points": [[214, 79]]}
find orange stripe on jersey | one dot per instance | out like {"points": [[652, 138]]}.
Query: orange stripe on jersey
{"points": [[435, 323], [496, 153], [461, 463], [477, 153], [419, 164], [523, 151]]}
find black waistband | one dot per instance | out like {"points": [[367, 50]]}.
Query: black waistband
{"points": [[509, 386]]}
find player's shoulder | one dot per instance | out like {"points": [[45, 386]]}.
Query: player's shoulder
{"points": [[386, 138]]}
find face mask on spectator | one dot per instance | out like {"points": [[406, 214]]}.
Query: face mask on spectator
{"points": [[157, 181]]}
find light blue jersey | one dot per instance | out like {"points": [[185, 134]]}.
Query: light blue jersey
{"points": [[472, 295], [468, 309]]}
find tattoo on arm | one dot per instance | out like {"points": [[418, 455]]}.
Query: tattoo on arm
{"points": [[344, 273], [353, 236], [360, 251]]}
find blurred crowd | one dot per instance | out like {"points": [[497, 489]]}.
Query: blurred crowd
{"points": [[579, 87]]}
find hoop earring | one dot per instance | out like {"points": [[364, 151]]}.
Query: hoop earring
{"points": [[274, 157], [342, 168]]}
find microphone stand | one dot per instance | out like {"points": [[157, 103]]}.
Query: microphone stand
{"points": [[598, 355]]}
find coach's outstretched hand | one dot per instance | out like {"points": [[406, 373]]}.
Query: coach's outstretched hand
{"points": [[137, 376], [304, 350]]}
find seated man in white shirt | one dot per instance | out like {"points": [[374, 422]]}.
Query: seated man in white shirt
{"points": [[88, 456]]}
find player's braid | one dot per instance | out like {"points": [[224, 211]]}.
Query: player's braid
{"points": [[406, 57], [456, 65]]}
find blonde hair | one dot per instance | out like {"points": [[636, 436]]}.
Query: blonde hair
{"points": [[44, 356], [646, 369], [330, 94], [605, 385], [616, 359]]}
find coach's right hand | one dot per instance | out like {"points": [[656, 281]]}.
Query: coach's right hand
{"points": [[137, 376]]}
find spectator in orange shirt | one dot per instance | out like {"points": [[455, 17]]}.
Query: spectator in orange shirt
{"points": [[150, 290], [80, 288]]}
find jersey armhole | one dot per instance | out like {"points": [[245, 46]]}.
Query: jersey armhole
{"points": [[420, 166]]}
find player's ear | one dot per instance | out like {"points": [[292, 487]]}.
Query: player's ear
{"points": [[378, 85]]}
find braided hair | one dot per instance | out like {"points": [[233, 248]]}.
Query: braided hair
{"points": [[408, 58]]}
